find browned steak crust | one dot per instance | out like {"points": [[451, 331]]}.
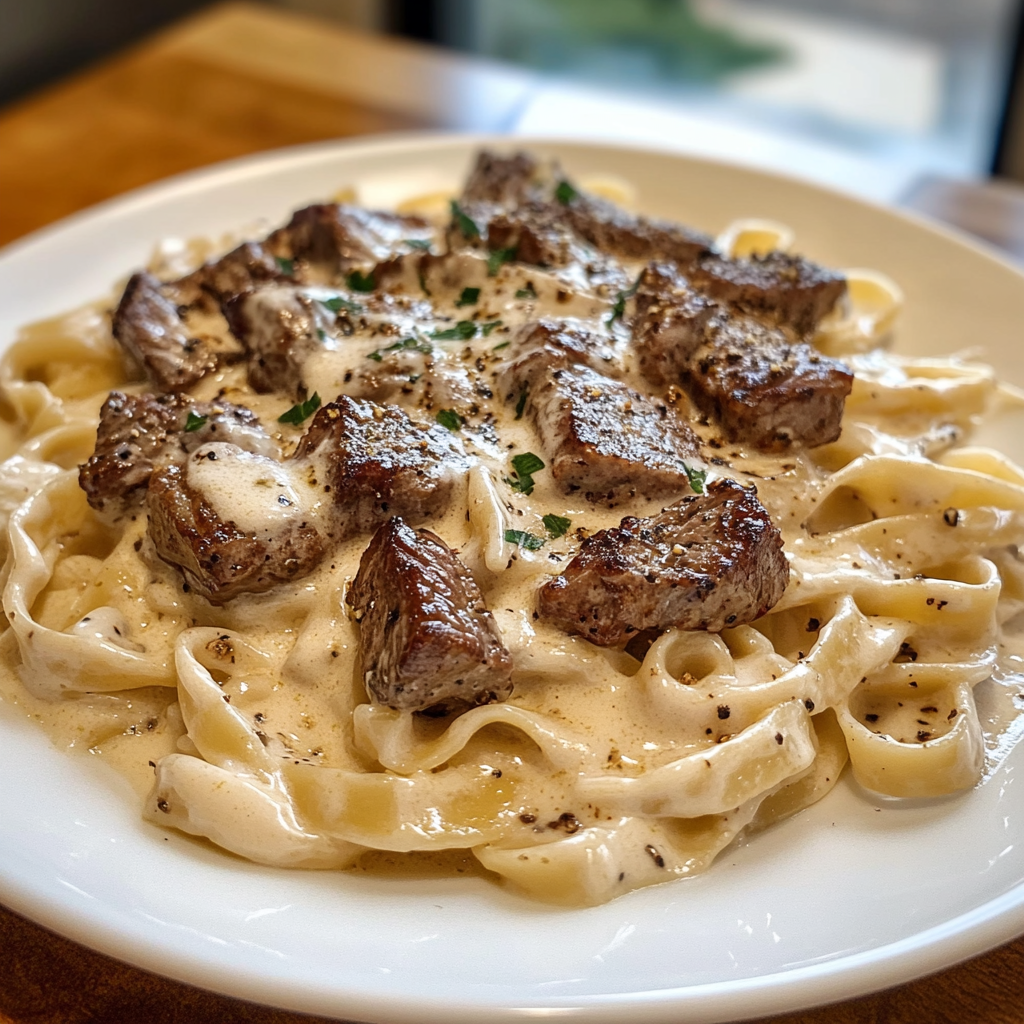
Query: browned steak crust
{"points": [[618, 232], [670, 323], [766, 389], [504, 180], [147, 326], [598, 434], [342, 236], [778, 288], [426, 636], [137, 432], [217, 558], [573, 341], [378, 462], [707, 562], [242, 270], [278, 328], [134, 433]]}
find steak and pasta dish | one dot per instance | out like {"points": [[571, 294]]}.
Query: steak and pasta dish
{"points": [[522, 534]]}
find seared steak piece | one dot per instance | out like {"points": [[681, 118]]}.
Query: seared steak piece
{"points": [[136, 432], [503, 180], [377, 462], [783, 290], [343, 236], [766, 389], [231, 522], [242, 270], [148, 327], [670, 324], [535, 232], [599, 435], [613, 230], [574, 340], [707, 562], [426, 636], [278, 325]]}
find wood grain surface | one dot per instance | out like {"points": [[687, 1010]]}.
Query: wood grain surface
{"points": [[235, 80]]}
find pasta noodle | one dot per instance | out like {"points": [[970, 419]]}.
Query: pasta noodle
{"points": [[602, 772]]}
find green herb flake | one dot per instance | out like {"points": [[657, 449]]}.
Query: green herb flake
{"points": [[527, 463], [337, 304], [529, 292], [405, 345], [522, 539], [449, 418], [565, 193], [497, 259], [620, 303], [301, 411], [286, 266], [420, 244], [504, 344], [557, 526], [321, 334], [524, 465], [469, 297], [194, 422], [463, 330], [521, 404], [485, 329], [360, 282], [464, 222], [697, 478]]}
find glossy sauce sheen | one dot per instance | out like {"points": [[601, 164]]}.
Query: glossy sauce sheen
{"points": [[298, 680]]}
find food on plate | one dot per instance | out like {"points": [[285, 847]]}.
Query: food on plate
{"points": [[558, 534]]}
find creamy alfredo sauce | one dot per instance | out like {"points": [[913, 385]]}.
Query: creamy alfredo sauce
{"points": [[298, 678]]}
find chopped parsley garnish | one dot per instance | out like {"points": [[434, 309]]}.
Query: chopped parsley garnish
{"points": [[527, 463], [321, 334], [194, 422], [485, 329], [565, 193], [620, 303], [557, 526], [422, 244], [524, 465], [469, 297], [300, 411], [465, 223], [529, 292], [464, 330], [449, 418], [497, 258], [521, 404], [504, 344], [286, 266], [697, 478], [405, 345], [337, 304], [360, 282], [523, 539]]}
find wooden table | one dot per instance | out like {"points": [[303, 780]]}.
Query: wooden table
{"points": [[235, 80]]}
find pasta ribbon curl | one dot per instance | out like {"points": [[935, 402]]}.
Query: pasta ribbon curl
{"points": [[55, 660]]}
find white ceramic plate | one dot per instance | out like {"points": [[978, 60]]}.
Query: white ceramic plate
{"points": [[846, 897]]}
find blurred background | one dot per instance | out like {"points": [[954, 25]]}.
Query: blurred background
{"points": [[894, 99]]}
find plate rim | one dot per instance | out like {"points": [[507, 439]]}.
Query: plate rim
{"points": [[987, 925]]}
